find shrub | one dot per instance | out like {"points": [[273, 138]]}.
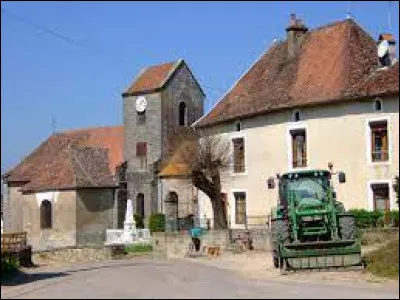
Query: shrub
{"points": [[139, 248], [9, 265], [393, 217], [365, 218], [138, 220], [396, 188], [157, 223]]}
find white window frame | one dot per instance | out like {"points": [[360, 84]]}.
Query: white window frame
{"points": [[373, 105], [291, 127], [239, 134], [232, 206], [370, 195], [368, 141]]}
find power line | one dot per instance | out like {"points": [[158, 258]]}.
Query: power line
{"points": [[78, 43], [58, 35]]}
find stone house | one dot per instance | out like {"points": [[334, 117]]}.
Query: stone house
{"points": [[62, 194], [319, 96]]}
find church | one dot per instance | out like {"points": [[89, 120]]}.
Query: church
{"points": [[75, 184]]}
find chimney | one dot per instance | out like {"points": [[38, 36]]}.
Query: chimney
{"points": [[389, 58], [295, 33]]}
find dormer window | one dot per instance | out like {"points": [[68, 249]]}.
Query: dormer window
{"points": [[238, 126], [378, 105], [296, 116]]}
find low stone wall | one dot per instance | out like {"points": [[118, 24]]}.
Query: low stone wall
{"points": [[371, 236], [74, 254], [176, 244]]}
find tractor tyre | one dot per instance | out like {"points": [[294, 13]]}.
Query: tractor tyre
{"points": [[280, 232], [347, 227]]}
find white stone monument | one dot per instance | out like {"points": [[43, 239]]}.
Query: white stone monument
{"points": [[130, 232], [129, 235]]}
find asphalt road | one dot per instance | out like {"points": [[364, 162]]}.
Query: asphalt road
{"points": [[144, 278]]}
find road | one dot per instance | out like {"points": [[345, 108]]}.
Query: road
{"points": [[144, 278]]}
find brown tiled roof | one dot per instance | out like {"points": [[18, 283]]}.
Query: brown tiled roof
{"points": [[72, 159], [328, 67], [175, 165], [152, 78], [381, 82]]}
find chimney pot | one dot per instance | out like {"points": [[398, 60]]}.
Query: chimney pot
{"points": [[295, 34]]}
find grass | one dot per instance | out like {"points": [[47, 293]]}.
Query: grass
{"points": [[139, 248], [384, 261]]}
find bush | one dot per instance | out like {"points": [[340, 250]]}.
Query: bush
{"points": [[365, 218], [157, 223], [139, 221], [396, 188], [393, 217], [139, 248], [9, 265]]}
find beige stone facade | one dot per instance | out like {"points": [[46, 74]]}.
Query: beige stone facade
{"points": [[338, 133], [78, 217]]}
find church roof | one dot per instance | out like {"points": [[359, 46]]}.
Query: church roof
{"points": [[152, 78], [72, 159]]}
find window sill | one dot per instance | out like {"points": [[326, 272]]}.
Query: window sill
{"points": [[239, 174], [379, 163]]}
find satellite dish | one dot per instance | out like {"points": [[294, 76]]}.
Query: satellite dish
{"points": [[383, 48]]}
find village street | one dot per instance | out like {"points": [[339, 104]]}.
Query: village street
{"points": [[146, 278]]}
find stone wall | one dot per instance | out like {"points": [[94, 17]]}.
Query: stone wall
{"points": [[13, 214], [176, 244], [63, 230], [94, 215], [74, 254], [181, 88]]}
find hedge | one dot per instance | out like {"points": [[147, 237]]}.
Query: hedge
{"points": [[138, 221], [365, 218], [157, 223]]}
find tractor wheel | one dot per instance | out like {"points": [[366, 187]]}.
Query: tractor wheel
{"points": [[347, 227], [280, 232]]}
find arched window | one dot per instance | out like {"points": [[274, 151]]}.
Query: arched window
{"points": [[182, 114], [140, 205], [45, 215], [378, 104], [296, 116]]}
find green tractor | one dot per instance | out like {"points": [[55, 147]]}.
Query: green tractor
{"points": [[310, 228]]}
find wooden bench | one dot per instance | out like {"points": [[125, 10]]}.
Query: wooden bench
{"points": [[13, 246]]}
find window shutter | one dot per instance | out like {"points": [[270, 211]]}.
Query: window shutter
{"points": [[373, 145], [294, 151], [141, 149], [384, 145]]}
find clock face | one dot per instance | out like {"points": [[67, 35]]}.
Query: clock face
{"points": [[141, 104]]}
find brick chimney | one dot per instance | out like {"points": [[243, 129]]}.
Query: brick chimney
{"points": [[389, 59], [295, 34]]}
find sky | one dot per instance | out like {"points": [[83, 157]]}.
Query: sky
{"points": [[64, 65]]}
